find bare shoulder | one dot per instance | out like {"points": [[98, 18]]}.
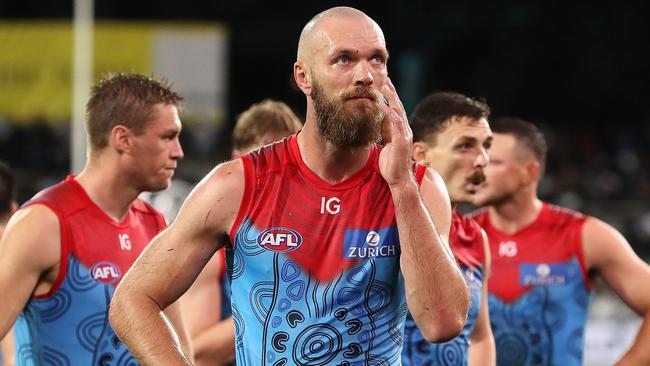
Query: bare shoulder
{"points": [[436, 199], [216, 199], [433, 180], [33, 229], [434, 190], [602, 243]]}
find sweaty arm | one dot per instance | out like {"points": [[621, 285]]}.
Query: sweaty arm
{"points": [[608, 253], [169, 265], [482, 350], [436, 292], [31, 230]]}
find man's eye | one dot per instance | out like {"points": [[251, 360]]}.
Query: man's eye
{"points": [[377, 60], [343, 60]]}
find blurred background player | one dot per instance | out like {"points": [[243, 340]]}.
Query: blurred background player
{"points": [[212, 332], [545, 259], [8, 206], [451, 135], [65, 250]]}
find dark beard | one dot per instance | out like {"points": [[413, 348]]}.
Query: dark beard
{"points": [[347, 129]]}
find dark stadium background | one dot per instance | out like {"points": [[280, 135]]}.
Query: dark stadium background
{"points": [[579, 69]]}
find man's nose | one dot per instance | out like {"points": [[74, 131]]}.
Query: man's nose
{"points": [[363, 74], [482, 159], [177, 150]]}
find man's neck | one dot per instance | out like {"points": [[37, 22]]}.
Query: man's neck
{"points": [[330, 163], [516, 214], [107, 188]]}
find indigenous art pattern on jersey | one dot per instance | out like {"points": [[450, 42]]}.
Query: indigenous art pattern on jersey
{"points": [[466, 242], [69, 325], [539, 292], [314, 267]]}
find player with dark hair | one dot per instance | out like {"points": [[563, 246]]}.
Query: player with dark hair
{"points": [[451, 135], [545, 259]]}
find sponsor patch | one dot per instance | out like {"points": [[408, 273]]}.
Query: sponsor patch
{"points": [[381, 243], [542, 274]]}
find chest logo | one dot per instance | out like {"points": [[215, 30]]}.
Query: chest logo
{"points": [[507, 249], [105, 272], [279, 239], [381, 243], [330, 205], [542, 274], [125, 242]]}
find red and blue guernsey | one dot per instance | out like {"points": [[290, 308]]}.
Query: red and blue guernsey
{"points": [[466, 242], [69, 325], [539, 292], [315, 266]]}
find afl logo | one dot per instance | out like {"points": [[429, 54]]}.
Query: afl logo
{"points": [[279, 239], [105, 272]]}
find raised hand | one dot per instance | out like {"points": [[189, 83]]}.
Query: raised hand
{"points": [[395, 157]]}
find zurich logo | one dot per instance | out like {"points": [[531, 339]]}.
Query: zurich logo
{"points": [[279, 239], [373, 238], [105, 272]]}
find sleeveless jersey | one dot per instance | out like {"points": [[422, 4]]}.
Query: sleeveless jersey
{"points": [[314, 266], [466, 242], [539, 292], [69, 325]]}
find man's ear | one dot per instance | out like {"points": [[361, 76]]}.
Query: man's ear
{"points": [[533, 171], [121, 138], [302, 77], [420, 152], [235, 154]]}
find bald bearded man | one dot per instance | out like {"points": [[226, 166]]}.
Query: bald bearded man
{"points": [[329, 235]]}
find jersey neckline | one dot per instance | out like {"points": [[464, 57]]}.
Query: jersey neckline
{"points": [[119, 224], [531, 226], [355, 179]]}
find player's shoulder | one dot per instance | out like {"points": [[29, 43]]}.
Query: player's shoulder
{"points": [[559, 215], [63, 196], [273, 155], [222, 184]]}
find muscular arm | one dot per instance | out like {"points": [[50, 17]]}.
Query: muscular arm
{"points": [[213, 339], [482, 350], [608, 253], [169, 265], [436, 292], [29, 258]]}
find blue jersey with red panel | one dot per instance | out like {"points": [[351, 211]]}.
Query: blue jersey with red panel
{"points": [[69, 325], [539, 292], [466, 242], [314, 266]]}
